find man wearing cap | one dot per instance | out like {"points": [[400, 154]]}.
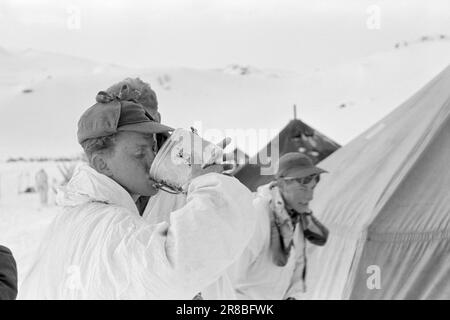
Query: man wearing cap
{"points": [[158, 208], [273, 266], [99, 246], [134, 89]]}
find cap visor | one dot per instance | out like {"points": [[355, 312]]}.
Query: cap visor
{"points": [[304, 172], [146, 127]]}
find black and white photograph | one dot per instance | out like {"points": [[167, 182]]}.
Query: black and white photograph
{"points": [[239, 151]]}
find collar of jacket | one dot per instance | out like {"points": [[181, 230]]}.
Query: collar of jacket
{"points": [[279, 206], [87, 185]]}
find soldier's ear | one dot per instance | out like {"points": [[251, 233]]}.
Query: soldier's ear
{"points": [[281, 183], [100, 163]]}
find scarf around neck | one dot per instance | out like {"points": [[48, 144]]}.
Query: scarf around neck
{"points": [[283, 224]]}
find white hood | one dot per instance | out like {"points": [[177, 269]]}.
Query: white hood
{"points": [[87, 185]]}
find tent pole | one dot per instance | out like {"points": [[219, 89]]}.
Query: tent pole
{"points": [[295, 112]]}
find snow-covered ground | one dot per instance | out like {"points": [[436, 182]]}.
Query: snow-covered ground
{"points": [[23, 224], [42, 96], [23, 220]]}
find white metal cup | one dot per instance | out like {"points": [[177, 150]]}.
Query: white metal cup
{"points": [[172, 167]]}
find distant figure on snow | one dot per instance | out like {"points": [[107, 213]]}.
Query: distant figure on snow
{"points": [[42, 186]]}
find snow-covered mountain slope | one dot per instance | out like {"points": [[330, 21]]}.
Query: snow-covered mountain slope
{"points": [[42, 95]]}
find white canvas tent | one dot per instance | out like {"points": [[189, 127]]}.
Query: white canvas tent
{"points": [[386, 201]]}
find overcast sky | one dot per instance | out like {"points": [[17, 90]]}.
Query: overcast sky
{"points": [[210, 33]]}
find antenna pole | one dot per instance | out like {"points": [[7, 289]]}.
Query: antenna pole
{"points": [[295, 112]]}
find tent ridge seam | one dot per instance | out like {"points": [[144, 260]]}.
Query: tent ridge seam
{"points": [[409, 236]]}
